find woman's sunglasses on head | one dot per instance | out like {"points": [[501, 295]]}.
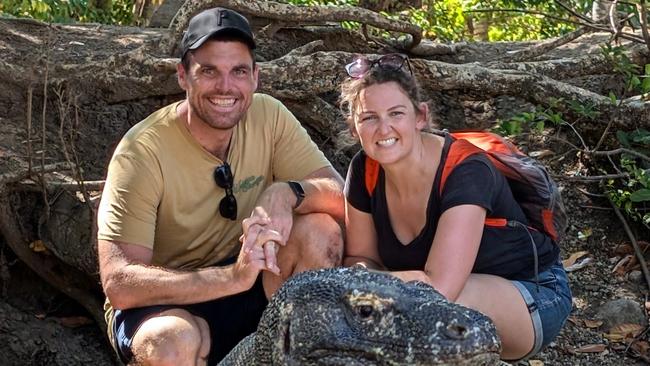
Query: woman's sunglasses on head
{"points": [[362, 65]]}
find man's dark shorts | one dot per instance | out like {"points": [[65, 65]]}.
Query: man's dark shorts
{"points": [[230, 319]]}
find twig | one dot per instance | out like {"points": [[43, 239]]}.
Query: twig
{"points": [[43, 140], [590, 194], [573, 12], [591, 178], [637, 250], [30, 93], [643, 14], [545, 46], [609, 125], [621, 150], [577, 134], [18, 175], [596, 207], [616, 29], [90, 185], [624, 35], [526, 11]]}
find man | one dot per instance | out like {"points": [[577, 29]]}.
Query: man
{"points": [[181, 289]]}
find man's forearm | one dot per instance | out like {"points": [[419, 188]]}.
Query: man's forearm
{"points": [[136, 285]]}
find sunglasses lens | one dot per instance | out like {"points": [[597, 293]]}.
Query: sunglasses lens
{"points": [[391, 62], [358, 67], [224, 179], [223, 176], [228, 207]]}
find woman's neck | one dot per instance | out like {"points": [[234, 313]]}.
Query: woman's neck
{"points": [[411, 174]]}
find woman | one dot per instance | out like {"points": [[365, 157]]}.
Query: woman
{"points": [[414, 231]]}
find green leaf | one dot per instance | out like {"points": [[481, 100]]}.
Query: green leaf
{"points": [[640, 195], [612, 97], [647, 69], [623, 138], [645, 85]]}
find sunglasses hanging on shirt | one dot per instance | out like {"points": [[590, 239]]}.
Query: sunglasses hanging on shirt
{"points": [[225, 180]]}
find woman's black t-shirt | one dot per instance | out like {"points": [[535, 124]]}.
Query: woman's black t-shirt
{"points": [[504, 251]]}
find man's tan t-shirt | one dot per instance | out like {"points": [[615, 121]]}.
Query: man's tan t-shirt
{"points": [[160, 192]]}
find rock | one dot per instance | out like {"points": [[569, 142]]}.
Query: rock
{"points": [[635, 277], [621, 311]]}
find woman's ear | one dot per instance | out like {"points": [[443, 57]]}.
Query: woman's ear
{"points": [[422, 116], [352, 127]]}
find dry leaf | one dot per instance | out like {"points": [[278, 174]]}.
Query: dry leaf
{"points": [[576, 321], [593, 323], [591, 348], [74, 321], [647, 305], [37, 246], [621, 267], [577, 261], [535, 363], [614, 337], [573, 258], [627, 330], [623, 249], [641, 346], [40, 316]]}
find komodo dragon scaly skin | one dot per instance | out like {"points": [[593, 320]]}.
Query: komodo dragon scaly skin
{"points": [[349, 316]]}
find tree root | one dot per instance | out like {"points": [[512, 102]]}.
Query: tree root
{"points": [[280, 12]]}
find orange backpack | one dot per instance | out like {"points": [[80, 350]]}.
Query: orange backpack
{"points": [[531, 185]]}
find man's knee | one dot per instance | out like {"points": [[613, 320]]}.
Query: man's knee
{"points": [[320, 239], [174, 337]]}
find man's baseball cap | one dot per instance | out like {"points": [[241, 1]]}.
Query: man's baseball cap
{"points": [[213, 21]]}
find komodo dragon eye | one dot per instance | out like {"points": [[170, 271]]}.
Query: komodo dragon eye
{"points": [[364, 311]]}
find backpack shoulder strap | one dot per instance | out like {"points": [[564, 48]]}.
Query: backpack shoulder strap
{"points": [[459, 150], [371, 174]]}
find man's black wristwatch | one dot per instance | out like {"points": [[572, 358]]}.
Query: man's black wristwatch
{"points": [[297, 189]]}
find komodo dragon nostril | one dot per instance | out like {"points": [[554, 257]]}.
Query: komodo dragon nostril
{"points": [[456, 331]]}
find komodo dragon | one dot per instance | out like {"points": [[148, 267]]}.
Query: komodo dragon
{"points": [[350, 316]]}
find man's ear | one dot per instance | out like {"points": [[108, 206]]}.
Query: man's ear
{"points": [[181, 75], [422, 117], [256, 75]]}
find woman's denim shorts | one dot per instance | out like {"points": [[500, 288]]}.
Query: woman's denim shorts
{"points": [[549, 302]]}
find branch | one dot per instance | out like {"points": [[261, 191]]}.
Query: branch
{"points": [[643, 18], [619, 151], [591, 178], [545, 46], [281, 12], [63, 277], [573, 12], [637, 251], [527, 11], [616, 28], [624, 35]]}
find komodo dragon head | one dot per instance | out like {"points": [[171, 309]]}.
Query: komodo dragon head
{"points": [[346, 316]]}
